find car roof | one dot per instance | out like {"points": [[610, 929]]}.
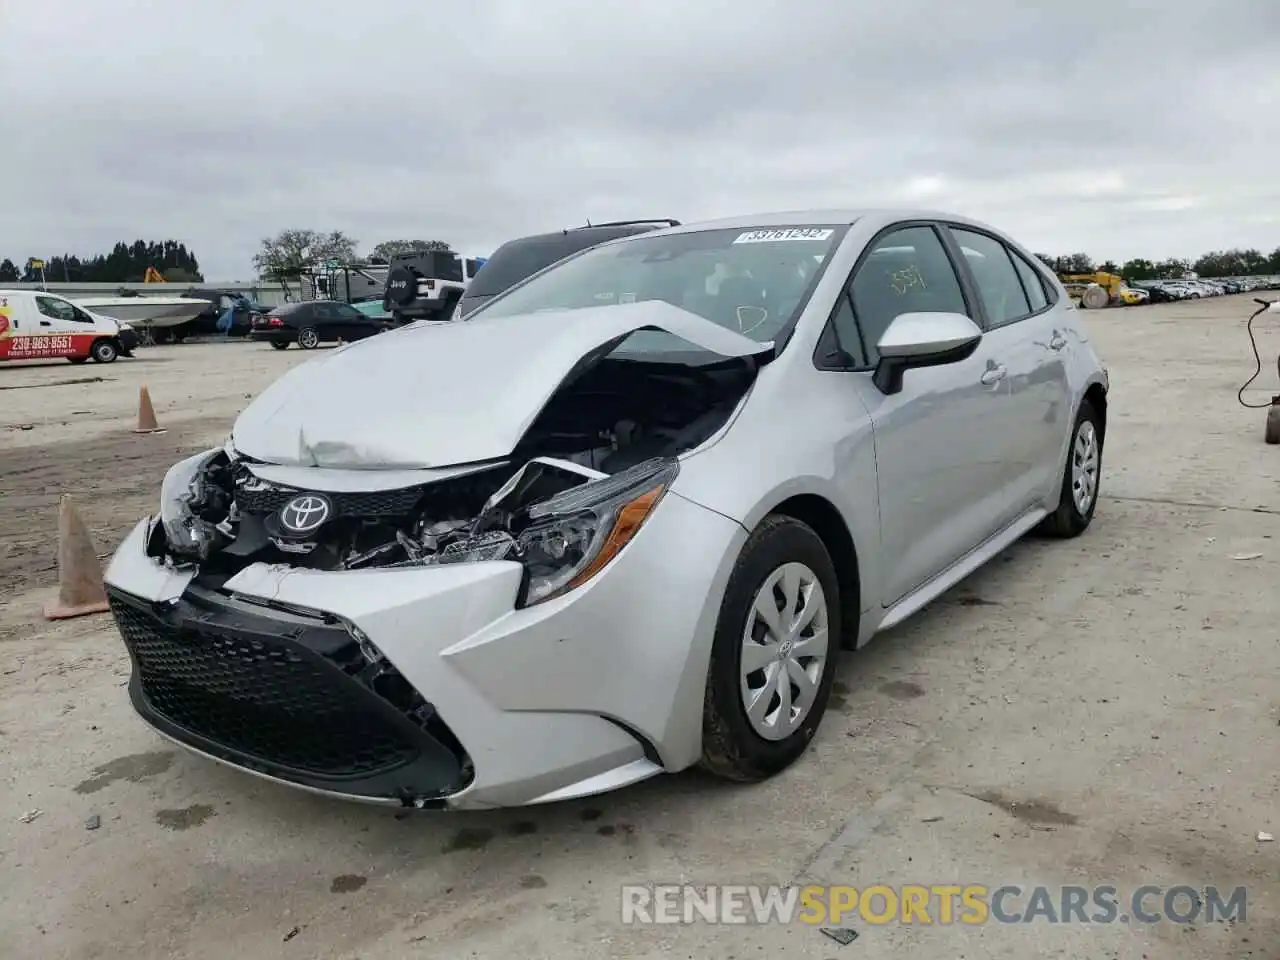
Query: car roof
{"points": [[833, 215], [603, 230]]}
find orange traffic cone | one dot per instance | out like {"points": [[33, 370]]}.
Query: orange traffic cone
{"points": [[80, 589], [146, 414]]}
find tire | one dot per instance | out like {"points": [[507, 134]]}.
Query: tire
{"points": [[161, 336], [1069, 520], [280, 344], [78, 360], [402, 285], [733, 746], [1095, 298], [308, 338], [104, 351]]}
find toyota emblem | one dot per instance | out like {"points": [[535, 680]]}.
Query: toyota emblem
{"points": [[305, 513]]}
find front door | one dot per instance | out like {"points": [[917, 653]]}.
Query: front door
{"points": [[936, 455], [57, 329]]}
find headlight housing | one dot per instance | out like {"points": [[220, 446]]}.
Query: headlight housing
{"points": [[573, 536], [184, 497]]}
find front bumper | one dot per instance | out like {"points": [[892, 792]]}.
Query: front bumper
{"points": [[289, 697], [479, 704]]}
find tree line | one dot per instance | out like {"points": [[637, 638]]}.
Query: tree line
{"points": [[290, 253], [126, 263], [1218, 263]]}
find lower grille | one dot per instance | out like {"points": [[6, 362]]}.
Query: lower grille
{"points": [[264, 693]]}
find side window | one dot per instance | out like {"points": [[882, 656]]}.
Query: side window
{"points": [[1032, 282], [906, 271], [472, 268], [994, 273], [57, 309], [844, 328], [79, 316]]}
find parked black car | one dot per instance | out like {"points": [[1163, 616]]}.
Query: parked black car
{"points": [[518, 260], [313, 322]]}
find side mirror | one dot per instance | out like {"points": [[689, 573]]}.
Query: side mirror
{"points": [[922, 340]]}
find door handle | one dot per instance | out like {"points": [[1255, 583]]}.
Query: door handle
{"points": [[1057, 342], [994, 375], [44, 323]]}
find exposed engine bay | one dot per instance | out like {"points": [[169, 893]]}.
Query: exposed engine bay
{"points": [[605, 442]]}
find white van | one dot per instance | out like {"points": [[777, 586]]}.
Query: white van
{"points": [[35, 325]]}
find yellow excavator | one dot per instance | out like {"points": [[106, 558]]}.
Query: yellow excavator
{"points": [[153, 276], [1101, 289]]}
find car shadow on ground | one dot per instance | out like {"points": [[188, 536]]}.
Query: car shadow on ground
{"points": [[638, 814]]}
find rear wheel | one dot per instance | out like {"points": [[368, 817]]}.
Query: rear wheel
{"points": [[1095, 298], [308, 338], [104, 351], [280, 344], [1080, 479], [774, 653]]}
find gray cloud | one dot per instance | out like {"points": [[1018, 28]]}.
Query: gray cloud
{"points": [[1122, 130]]}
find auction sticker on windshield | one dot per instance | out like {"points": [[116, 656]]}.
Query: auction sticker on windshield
{"points": [[789, 233]]}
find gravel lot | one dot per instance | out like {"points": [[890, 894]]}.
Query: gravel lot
{"points": [[1102, 711]]}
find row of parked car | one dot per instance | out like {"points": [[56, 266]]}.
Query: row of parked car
{"points": [[1167, 291]]}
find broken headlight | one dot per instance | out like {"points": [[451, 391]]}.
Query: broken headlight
{"points": [[572, 536], [184, 496]]}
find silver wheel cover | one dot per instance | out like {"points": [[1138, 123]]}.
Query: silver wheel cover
{"points": [[1084, 467], [784, 651]]}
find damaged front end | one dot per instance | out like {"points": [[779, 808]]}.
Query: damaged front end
{"points": [[303, 695], [560, 520]]}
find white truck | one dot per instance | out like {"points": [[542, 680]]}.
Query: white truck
{"points": [[35, 325]]}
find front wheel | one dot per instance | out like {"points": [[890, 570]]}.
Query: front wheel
{"points": [[103, 351], [1081, 477], [774, 654], [308, 338]]}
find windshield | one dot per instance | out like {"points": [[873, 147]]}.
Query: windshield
{"points": [[749, 280]]}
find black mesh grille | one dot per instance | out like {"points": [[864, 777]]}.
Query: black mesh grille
{"points": [[265, 697], [379, 503]]}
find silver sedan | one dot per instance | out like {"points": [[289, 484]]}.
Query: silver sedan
{"points": [[621, 520]]}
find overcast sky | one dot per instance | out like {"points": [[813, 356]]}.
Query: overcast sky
{"points": [[1129, 129]]}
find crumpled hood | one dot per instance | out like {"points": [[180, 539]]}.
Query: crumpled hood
{"points": [[432, 396]]}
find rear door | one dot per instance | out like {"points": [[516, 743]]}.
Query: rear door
{"points": [[938, 441], [1020, 327]]}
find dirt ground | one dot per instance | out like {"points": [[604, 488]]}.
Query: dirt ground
{"points": [[1098, 712]]}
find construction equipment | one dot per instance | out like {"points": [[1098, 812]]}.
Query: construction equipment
{"points": [[1100, 289], [153, 276]]}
